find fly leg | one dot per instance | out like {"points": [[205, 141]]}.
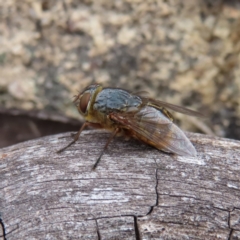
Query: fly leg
{"points": [[105, 147], [76, 136]]}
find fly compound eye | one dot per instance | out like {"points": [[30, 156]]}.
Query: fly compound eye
{"points": [[84, 102]]}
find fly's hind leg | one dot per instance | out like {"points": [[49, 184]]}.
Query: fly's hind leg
{"points": [[105, 147]]}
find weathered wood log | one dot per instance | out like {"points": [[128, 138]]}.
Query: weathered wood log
{"points": [[136, 192]]}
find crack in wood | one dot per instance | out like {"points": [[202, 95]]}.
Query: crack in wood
{"points": [[234, 208], [137, 233], [14, 229], [230, 234], [98, 231], [221, 209], [3, 230], [136, 229], [229, 225], [135, 220], [156, 190], [232, 229], [116, 216]]}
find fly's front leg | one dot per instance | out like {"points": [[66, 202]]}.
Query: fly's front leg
{"points": [[105, 147], [76, 136]]}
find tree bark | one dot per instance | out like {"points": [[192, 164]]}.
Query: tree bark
{"points": [[136, 192]]}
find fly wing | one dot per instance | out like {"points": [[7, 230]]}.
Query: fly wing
{"points": [[159, 104], [153, 127], [142, 94]]}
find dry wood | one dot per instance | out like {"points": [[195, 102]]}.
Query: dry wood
{"points": [[136, 192]]}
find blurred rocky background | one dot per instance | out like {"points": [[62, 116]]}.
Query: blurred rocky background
{"points": [[185, 52]]}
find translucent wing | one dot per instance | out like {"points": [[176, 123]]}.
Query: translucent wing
{"points": [[153, 127], [159, 104], [143, 94]]}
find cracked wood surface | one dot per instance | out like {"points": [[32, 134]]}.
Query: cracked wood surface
{"points": [[136, 192]]}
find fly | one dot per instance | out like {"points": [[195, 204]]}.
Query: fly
{"points": [[128, 114]]}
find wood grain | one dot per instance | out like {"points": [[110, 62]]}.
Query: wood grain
{"points": [[136, 192]]}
